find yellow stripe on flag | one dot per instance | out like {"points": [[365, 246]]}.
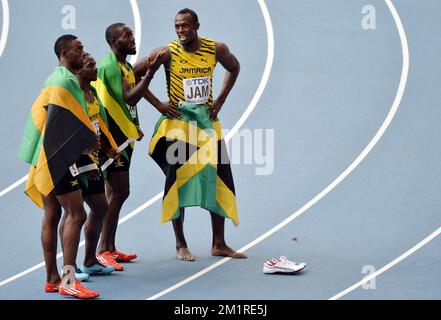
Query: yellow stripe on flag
{"points": [[105, 130], [127, 127], [179, 130], [226, 200], [31, 189], [63, 98], [170, 204]]}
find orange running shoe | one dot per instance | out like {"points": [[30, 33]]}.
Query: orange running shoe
{"points": [[123, 257], [48, 287], [79, 291], [107, 260]]}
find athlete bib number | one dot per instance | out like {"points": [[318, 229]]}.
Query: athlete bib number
{"points": [[74, 170], [96, 125], [197, 90], [132, 111]]}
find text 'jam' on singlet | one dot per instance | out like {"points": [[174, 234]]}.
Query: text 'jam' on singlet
{"points": [[189, 75]]}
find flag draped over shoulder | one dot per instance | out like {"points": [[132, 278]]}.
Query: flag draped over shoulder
{"points": [[103, 121], [193, 156], [57, 132], [109, 89]]}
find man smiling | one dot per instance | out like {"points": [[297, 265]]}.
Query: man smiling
{"points": [[189, 64]]}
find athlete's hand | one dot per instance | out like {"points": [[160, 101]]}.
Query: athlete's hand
{"points": [[108, 149], [95, 147], [141, 134], [112, 153], [93, 174], [169, 110], [153, 65], [214, 109]]}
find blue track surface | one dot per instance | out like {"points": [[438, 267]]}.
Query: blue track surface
{"points": [[331, 87]]}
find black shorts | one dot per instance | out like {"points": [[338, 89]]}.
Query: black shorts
{"points": [[93, 187], [122, 163], [67, 184]]}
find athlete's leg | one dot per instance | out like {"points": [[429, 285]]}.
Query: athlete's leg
{"points": [[219, 246], [92, 227], [61, 229], [52, 215], [72, 204], [182, 251], [118, 191]]}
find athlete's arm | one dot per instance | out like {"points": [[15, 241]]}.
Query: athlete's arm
{"points": [[140, 68], [95, 147], [232, 66], [132, 96]]}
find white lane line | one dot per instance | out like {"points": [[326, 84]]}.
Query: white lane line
{"points": [[142, 207], [21, 274], [137, 18], [340, 178], [82, 243], [405, 49], [138, 31], [248, 111], [266, 72], [389, 265], [13, 186], [5, 26]]}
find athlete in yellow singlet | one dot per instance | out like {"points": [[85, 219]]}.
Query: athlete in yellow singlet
{"points": [[94, 191], [189, 64]]}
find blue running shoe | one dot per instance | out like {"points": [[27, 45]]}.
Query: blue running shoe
{"points": [[80, 276], [97, 269]]}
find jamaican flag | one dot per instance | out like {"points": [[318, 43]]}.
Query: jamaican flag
{"points": [[57, 132], [109, 89], [103, 122], [193, 156], [92, 161]]}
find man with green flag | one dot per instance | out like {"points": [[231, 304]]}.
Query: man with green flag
{"points": [[57, 134], [119, 92], [187, 143]]}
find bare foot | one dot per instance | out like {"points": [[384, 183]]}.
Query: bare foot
{"points": [[184, 254], [226, 251]]}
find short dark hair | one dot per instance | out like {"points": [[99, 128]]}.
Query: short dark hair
{"points": [[111, 31], [88, 56], [193, 14], [62, 43]]}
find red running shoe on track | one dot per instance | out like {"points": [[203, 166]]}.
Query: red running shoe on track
{"points": [[107, 260], [48, 287], [123, 257], [79, 291]]}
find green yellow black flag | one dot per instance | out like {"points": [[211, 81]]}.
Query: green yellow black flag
{"points": [[193, 156], [109, 89], [57, 132]]}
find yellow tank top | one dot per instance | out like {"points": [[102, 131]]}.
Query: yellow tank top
{"points": [[129, 75], [190, 74], [93, 111]]}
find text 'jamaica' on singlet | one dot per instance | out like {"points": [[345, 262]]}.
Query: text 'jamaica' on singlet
{"points": [[129, 75], [189, 76]]}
